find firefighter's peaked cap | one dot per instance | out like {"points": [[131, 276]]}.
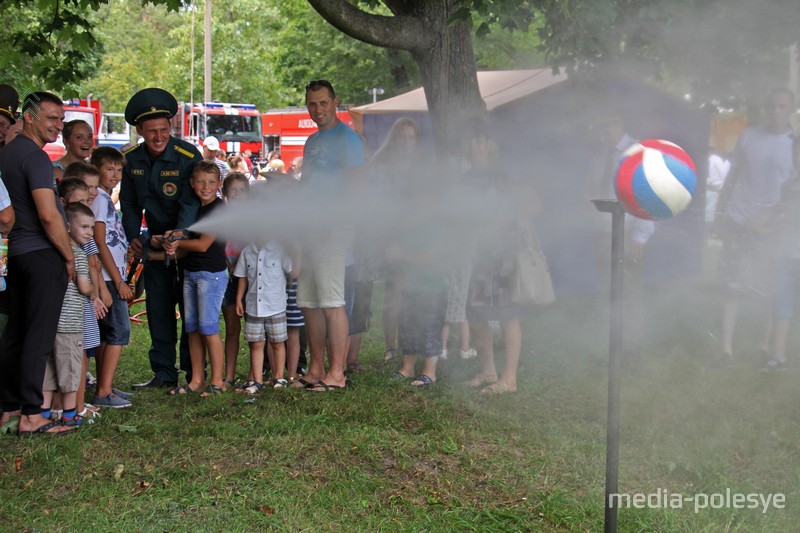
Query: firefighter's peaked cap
{"points": [[150, 103]]}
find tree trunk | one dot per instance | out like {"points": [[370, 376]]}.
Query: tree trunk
{"points": [[448, 74]]}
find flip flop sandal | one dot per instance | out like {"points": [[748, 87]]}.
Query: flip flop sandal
{"points": [[399, 376], [182, 390], [45, 430], [324, 387], [422, 381]]}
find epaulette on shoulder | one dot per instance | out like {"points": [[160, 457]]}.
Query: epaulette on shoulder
{"points": [[184, 152], [132, 149]]}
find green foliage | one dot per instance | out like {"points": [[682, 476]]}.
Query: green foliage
{"points": [[264, 51], [48, 45]]}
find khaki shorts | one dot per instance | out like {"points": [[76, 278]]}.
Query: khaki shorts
{"points": [[321, 283], [63, 371]]}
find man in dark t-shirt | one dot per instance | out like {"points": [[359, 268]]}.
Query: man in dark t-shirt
{"points": [[40, 262]]}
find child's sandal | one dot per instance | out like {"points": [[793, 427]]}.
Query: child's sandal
{"points": [[254, 388], [280, 383], [242, 387]]}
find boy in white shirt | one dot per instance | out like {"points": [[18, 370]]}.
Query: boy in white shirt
{"points": [[261, 299]]}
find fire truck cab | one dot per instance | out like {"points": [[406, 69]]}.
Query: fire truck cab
{"points": [[237, 127], [286, 130]]}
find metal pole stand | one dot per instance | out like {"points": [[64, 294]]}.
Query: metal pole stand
{"points": [[614, 355]]}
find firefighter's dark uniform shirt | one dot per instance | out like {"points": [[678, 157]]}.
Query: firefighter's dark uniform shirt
{"points": [[160, 187]]}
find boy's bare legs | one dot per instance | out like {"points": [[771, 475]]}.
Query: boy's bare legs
{"points": [[197, 355], [216, 356], [107, 360], [233, 328], [278, 359], [257, 360], [293, 351]]}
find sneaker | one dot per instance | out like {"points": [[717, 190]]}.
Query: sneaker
{"points": [[122, 394], [468, 354], [773, 365], [112, 400], [443, 355]]}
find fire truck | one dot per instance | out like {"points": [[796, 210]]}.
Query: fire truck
{"points": [[237, 127], [286, 130], [85, 109]]}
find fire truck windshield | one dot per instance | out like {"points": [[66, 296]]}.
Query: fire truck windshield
{"points": [[234, 127], [79, 115]]}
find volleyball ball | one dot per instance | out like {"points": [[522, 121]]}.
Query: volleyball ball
{"points": [[656, 179]]}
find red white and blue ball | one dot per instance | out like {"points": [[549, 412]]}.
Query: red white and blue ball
{"points": [[656, 179]]}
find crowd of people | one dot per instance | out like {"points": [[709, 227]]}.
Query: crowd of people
{"points": [[78, 227]]}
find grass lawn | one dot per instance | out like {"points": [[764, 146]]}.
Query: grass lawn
{"points": [[383, 457]]}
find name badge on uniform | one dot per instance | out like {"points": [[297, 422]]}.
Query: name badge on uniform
{"points": [[170, 173], [137, 172], [169, 189]]}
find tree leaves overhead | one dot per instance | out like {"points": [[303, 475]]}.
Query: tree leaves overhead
{"points": [[265, 49], [53, 44]]}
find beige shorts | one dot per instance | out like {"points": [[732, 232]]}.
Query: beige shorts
{"points": [[63, 371], [321, 283]]}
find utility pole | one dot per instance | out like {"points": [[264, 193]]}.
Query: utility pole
{"points": [[207, 57]]}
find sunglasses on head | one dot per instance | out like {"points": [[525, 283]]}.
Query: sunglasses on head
{"points": [[316, 84]]}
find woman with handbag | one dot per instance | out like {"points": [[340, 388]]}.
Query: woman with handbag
{"points": [[502, 242]]}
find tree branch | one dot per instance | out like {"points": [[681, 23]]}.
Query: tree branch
{"points": [[398, 31]]}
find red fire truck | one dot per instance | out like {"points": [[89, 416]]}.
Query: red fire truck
{"points": [[286, 130], [87, 110], [237, 127]]}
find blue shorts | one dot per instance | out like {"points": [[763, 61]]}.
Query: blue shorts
{"points": [[202, 300], [115, 327]]}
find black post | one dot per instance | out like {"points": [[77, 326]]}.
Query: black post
{"points": [[614, 356]]}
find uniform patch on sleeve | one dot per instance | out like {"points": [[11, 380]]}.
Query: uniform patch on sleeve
{"points": [[169, 189], [137, 172], [170, 173]]}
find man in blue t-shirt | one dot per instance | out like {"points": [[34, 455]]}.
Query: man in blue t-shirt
{"points": [[40, 262], [333, 159]]}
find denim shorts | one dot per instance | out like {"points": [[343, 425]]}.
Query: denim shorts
{"points": [[202, 300], [115, 327]]}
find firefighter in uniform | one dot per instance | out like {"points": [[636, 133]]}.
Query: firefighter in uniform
{"points": [[156, 181]]}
